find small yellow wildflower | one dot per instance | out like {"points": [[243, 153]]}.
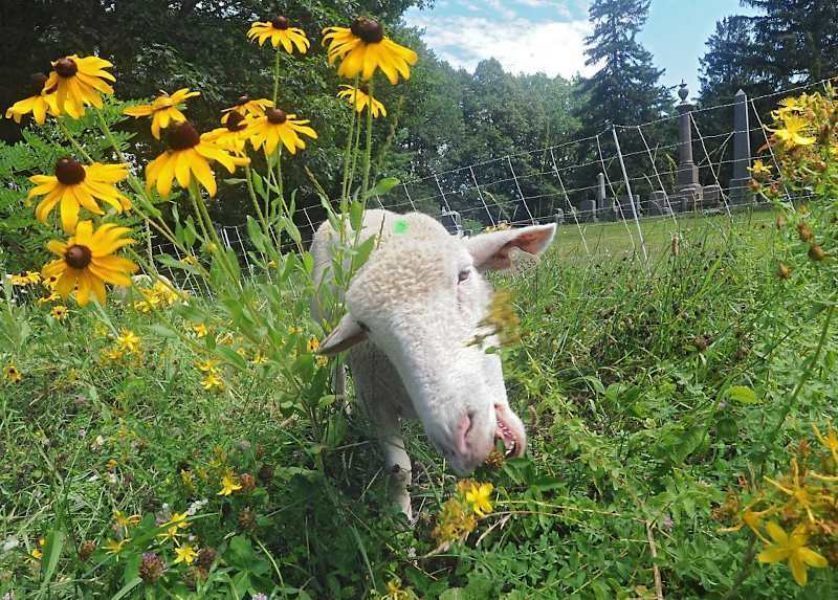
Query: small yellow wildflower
{"points": [[115, 547], [791, 548], [312, 345], [208, 366], [179, 520], [792, 134], [229, 484], [113, 355], [799, 495], [200, 330], [259, 359], [479, 497], [212, 382], [185, 554], [759, 168], [12, 373], [128, 341], [829, 441], [36, 554], [122, 520], [59, 312], [171, 533]]}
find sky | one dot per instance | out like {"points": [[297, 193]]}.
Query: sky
{"points": [[531, 36]]}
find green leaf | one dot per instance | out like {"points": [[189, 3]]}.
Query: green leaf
{"points": [[742, 395], [127, 588], [54, 544], [384, 185]]}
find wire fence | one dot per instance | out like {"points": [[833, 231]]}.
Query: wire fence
{"points": [[690, 163]]}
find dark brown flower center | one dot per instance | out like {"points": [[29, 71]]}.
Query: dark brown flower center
{"points": [[78, 256], [37, 81], [183, 136], [364, 88], [235, 122], [69, 171], [66, 67], [242, 100], [368, 30], [276, 116], [280, 22]]}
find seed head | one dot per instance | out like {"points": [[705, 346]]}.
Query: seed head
{"points": [[266, 473], [804, 232], [183, 136], [66, 67], [247, 519], [69, 171], [206, 556], [783, 271], [248, 482], [369, 30], [816, 253], [151, 567], [86, 549]]}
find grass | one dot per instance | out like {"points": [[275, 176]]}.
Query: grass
{"points": [[629, 378]]}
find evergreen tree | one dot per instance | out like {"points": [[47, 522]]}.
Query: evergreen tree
{"points": [[795, 41], [627, 88], [723, 72]]}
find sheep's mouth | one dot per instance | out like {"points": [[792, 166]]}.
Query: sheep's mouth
{"points": [[513, 444]]}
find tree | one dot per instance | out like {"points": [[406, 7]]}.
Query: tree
{"points": [[794, 41], [626, 89]]}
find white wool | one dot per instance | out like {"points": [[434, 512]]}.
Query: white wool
{"points": [[413, 311]]}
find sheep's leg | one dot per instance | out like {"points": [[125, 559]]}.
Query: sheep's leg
{"points": [[382, 396], [397, 464]]}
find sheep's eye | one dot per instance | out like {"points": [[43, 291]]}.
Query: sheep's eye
{"points": [[463, 275]]}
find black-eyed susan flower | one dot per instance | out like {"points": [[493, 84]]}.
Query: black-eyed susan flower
{"points": [[791, 548], [75, 185], [279, 31], [360, 98], [163, 110], [233, 135], [87, 261], [25, 279], [59, 312], [40, 103], [278, 126], [246, 107], [79, 82], [12, 374], [363, 49], [189, 155]]}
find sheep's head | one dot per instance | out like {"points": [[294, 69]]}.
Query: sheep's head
{"points": [[421, 302]]}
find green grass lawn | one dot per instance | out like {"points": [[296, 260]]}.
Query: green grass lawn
{"points": [[657, 397]]}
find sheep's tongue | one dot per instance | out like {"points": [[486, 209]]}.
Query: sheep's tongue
{"points": [[505, 433]]}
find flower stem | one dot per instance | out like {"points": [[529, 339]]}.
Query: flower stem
{"points": [[368, 151], [347, 156], [276, 76]]}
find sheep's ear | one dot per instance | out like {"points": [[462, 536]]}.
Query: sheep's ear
{"points": [[343, 337], [491, 251]]}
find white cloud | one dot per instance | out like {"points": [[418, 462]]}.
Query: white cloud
{"points": [[521, 46]]}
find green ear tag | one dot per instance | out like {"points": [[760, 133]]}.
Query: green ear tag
{"points": [[400, 227]]}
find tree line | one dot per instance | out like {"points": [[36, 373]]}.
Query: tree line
{"points": [[444, 117]]}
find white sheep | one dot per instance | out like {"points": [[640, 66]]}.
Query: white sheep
{"points": [[413, 312]]}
